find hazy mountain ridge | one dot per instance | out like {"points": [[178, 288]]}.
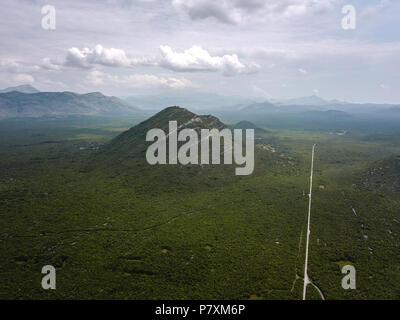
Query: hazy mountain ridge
{"points": [[323, 111], [24, 88], [194, 100], [302, 101], [60, 104], [25, 101]]}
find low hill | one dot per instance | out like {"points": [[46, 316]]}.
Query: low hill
{"points": [[125, 156], [249, 125], [60, 104], [133, 141]]}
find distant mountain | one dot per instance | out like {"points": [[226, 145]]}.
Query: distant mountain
{"points": [[249, 125], [259, 107], [230, 106], [192, 100], [25, 88], [60, 104], [304, 101]]}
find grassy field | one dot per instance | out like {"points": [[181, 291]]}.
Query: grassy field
{"points": [[239, 238]]}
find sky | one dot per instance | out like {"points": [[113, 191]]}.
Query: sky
{"points": [[250, 48]]}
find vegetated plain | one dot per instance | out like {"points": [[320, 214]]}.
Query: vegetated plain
{"points": [[125, 230]]}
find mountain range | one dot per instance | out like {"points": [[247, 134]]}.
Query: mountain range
{"points": [[25, 101], [25, 88], [14, 104], [194, 100], [313, 100]]}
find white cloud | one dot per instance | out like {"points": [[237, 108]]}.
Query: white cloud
{"points": [[14, 66], [262, 92], [99, 55], [23, 78], [191, 60], [50, 85], [96, 77], [198, 59], [302, 71], [146, 80], [202, 9], [237, 11], [49, 64], [372, 10], [17, 71]]}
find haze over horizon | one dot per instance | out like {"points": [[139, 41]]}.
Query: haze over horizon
{"points": [[282, 49], [198, 100]]}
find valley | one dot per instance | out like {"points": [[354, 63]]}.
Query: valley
{"points": [[78, 195]]}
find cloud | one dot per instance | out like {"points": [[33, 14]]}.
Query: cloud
{"points": [[237, 11], [286, 33], [302, 71], [23, 78], [198, 59], [14, 66], [97, 77], [19, 72], [49, 64], [50, 84], [194, 59], [201, 9], [147, 80], [99, 55], [260, 91], [372, 10]]}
